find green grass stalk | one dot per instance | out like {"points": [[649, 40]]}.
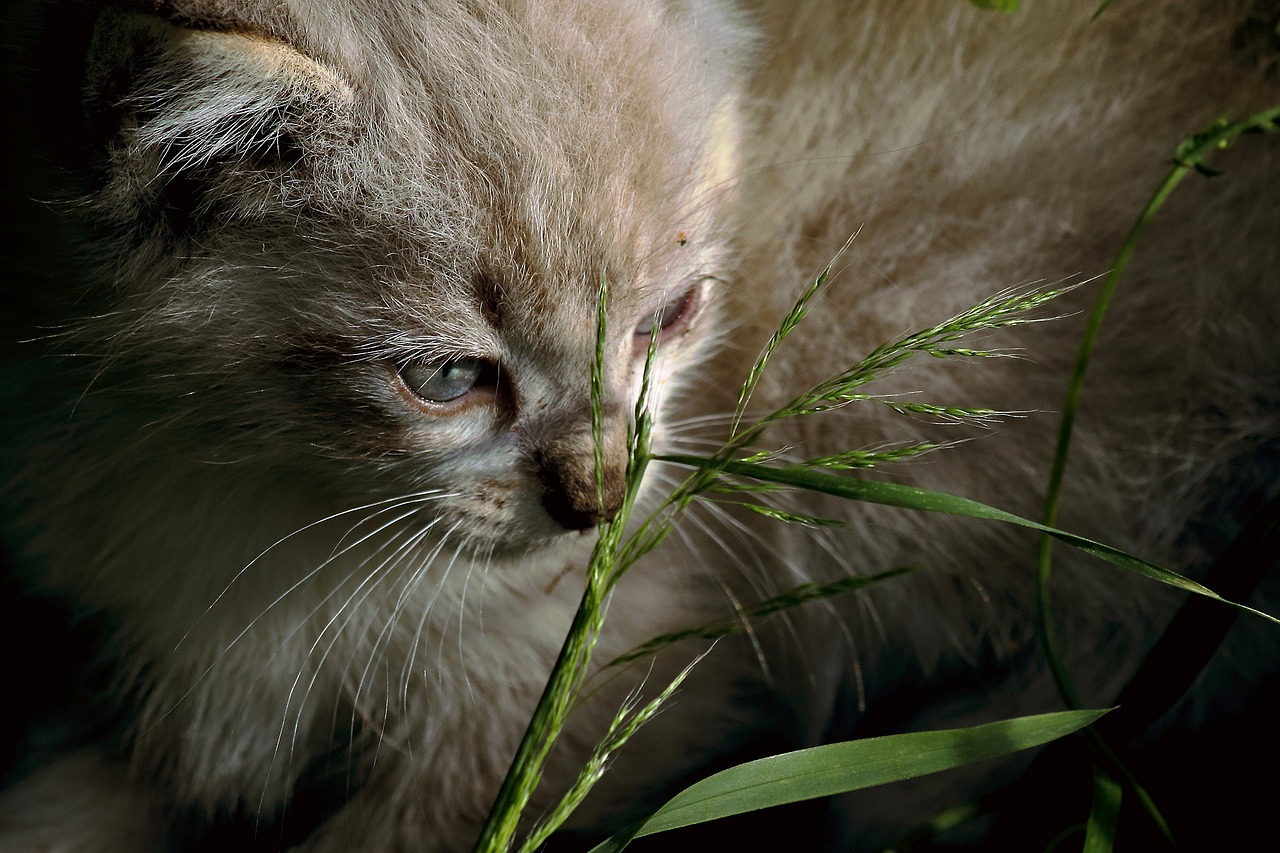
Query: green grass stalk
{"points": [[1190, 155], [722, 474], [566, 677]]}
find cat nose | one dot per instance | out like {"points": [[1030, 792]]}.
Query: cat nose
{"points": [[570, 493]]}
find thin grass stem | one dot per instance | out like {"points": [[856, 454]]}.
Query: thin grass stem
{"points": [[570, 667], [1190, 155]]}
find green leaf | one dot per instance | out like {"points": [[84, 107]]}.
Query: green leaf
{"points": [[1005, 6], [789, 323], [1100, 831], [850, 766], [909, 497], [626, 722], [866, 458]]}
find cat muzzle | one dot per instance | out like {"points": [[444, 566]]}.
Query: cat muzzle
{"points": [[570, 492]]}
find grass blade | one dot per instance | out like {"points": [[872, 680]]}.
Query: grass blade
{"points": [[909, 497], [850, 766], [625, 724], [789, 323], [1190, 155], [1100, 831]]}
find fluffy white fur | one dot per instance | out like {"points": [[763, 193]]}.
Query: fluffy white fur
{"points": [[303, 575]]}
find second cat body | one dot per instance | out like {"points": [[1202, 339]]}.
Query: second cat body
{"points": [[301, 438]]}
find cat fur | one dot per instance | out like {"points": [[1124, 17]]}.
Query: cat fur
{"points": [[317, 611]]}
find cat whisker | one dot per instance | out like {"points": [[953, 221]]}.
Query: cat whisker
{"points": [[351, 606], [194, 683], [704, 420], [762, 547], [415, 643], [372, 579], [387, 504], [738, 611], [462, 611], [413, 578]]}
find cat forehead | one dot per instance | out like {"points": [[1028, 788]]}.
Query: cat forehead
{"points": [[482, 62], [545, 151], [503, 154], [556, 155]]}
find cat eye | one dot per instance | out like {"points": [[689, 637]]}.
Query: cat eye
{"points": [[450, 380], [673, 318]]}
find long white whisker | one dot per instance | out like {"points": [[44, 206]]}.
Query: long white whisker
{"points": [[402, 554], [462, 613], [328, 562], [305, 579], [373, 578], [407, 673], [398, 500], [319, 666]]}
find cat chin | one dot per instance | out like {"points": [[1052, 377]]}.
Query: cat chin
{"points": [[301, 559]]}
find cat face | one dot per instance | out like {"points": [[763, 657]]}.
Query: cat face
{"points": [[371, 261]]}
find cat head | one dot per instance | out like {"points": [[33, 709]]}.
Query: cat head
{"points": [[362, 246]]}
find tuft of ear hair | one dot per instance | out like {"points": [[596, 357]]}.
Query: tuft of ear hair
{"points": [[171, 108]]}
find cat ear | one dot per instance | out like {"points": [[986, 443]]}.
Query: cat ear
{"points": [[170, 108]]}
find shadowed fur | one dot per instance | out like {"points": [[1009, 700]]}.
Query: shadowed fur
{"points": [[298, 431]]}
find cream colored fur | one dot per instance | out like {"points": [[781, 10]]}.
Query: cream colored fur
{"points": [[290, 552]]}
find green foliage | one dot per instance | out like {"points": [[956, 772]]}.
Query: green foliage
{"points": [[910, 497], [625, 723], [1100, 831], [855, 459], [724, 472], [794, 597], [1004, 310], [1189, 155], [838, 768], [1005, 6], [567, 676], [741, 471]]}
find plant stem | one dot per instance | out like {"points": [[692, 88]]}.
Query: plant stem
{"points": [[1190, 155], [1065, 426], [570, 667], [500, 826]]}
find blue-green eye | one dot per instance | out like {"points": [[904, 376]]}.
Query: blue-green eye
{"points": [[445, 381]]}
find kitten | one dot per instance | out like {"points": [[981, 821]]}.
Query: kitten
{"points": [[302, 443], [318, 450]]}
